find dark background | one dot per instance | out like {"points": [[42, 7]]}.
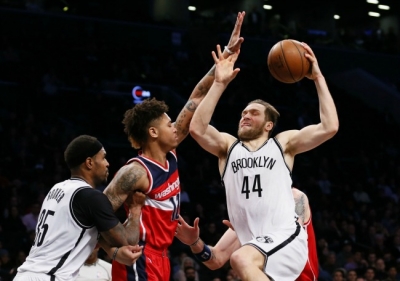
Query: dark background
{"points": [[65, 73]]}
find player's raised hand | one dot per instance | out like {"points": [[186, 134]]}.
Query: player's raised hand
{"points": [[315, 71], [224, 72], [185, 233], [236, 41]]}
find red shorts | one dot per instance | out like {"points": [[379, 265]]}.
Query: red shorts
{"points": [[152, 265], [308, 273]]}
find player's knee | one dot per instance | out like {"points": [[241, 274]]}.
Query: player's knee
{"points": [[238, 261]]}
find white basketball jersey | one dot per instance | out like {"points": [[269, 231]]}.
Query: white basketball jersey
{"points": [[258, 190], [62, 244]]}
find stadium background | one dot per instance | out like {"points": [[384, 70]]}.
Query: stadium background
{"points": [[69, 67]]}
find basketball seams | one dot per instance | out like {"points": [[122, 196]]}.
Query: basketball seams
{"points": [[301, 58], [284, 57], [272, 69]]}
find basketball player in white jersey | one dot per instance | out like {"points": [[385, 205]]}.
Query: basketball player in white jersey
{"points": [[74, 214], [229, 243], [256, 171]]}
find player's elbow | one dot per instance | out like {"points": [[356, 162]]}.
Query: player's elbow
{"points": [[332, 129], [195, 130]]}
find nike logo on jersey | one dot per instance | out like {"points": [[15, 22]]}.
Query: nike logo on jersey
{"points": [[253, 162]]}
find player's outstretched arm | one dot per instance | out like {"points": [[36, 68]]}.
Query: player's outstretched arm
{"points": [[199, 92], [312, 136], [129, 178], [206, 135], [212, 257]]}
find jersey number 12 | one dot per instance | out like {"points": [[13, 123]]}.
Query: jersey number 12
{"points": [[256, 186]]}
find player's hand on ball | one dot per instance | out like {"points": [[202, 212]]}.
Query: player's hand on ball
{"points": [[315, 71], [224, 72]]}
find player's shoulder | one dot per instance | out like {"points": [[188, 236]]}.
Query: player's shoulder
{"points": [[230, 140]]}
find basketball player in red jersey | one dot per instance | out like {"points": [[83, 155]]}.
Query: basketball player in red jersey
{"points": [[229, 243], [154, 172]]}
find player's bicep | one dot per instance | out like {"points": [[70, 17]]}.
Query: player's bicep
{"points": [[299, 141], [213, 141], [128, 179]]}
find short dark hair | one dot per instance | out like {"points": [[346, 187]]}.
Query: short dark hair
{"points": [[79, 149], [138, 119]]}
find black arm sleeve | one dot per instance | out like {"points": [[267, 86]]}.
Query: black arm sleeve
{"points": [[92, 207]]}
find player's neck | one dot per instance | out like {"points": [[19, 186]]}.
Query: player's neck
{"points": [[81, 176], [156, 154], [255, 144]]}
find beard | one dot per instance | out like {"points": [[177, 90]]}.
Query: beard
{"points": [[251, 134]]}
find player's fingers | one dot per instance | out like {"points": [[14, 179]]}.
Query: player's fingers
{"points": [[196, 223], [309, 50], [228, 224], [235, 72], [219, 51], [214, 57]]}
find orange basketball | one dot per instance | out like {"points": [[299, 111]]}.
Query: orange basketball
{"points": [[287, 61]]}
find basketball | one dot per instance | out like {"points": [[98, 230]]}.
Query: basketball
{"points": [[287, 62]]}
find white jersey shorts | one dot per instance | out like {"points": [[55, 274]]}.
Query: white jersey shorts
{"points": [[30, 276], [285, 252]]}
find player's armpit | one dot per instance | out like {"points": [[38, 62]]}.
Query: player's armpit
{"points": [[128, 179]]}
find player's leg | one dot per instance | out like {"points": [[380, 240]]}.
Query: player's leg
{"points": [[248, 263]]}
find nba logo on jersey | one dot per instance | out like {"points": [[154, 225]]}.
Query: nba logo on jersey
{"points": [[264, 239]]}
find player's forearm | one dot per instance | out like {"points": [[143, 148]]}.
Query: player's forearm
{"points": [[203, 114], [133, 226], [213, 263], [204, 85], [106, 247], [328, 113]]}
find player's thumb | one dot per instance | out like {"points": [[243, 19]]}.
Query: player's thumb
{"points": [[228, 224]]}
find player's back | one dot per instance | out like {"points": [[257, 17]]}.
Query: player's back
{"points": [[62, 243]]}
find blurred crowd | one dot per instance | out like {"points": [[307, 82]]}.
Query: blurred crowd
{"points": [[54, 89]]}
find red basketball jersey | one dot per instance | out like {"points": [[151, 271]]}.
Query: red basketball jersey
{"points": [[158, 221], [310, 271]]}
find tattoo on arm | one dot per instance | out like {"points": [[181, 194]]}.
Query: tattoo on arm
{"points": [[124, 182], [115, 199], [204, 85], [191, 106], [115, 237], [300, 206]]}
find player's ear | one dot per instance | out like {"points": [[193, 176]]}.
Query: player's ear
{"points": [[153, 132], [89, 163], [269, 125]]}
